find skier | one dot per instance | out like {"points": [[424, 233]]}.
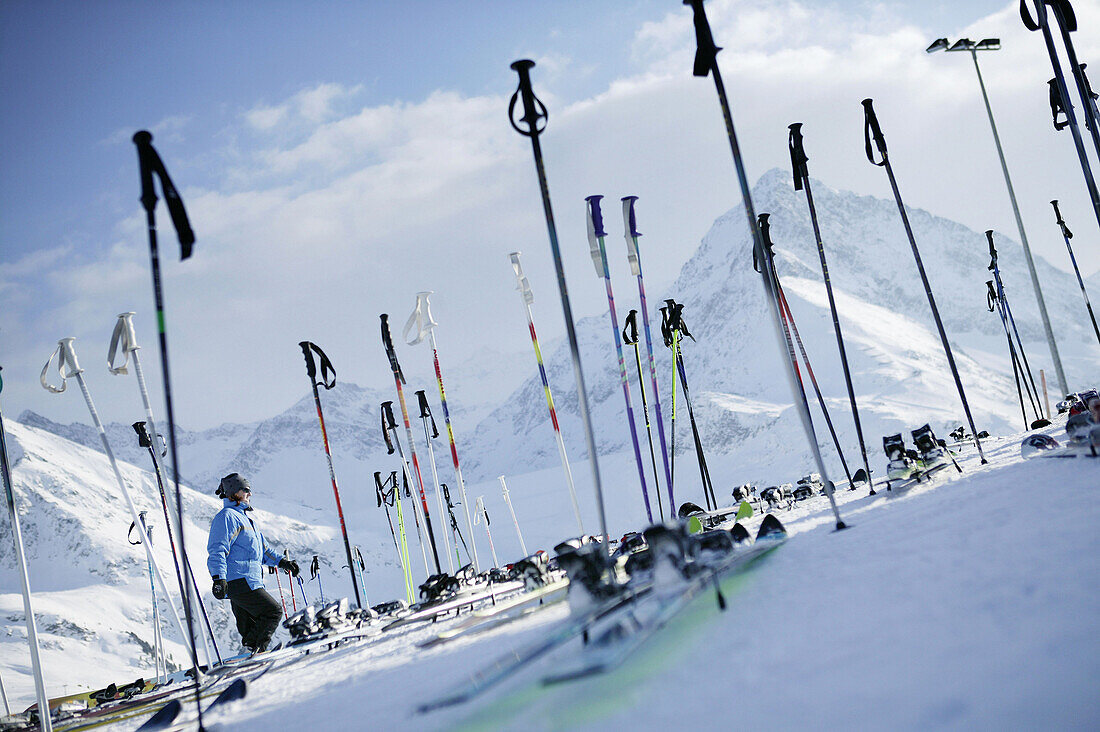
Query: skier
{"points": [[236, 550]]}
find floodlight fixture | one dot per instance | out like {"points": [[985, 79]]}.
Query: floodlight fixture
{"points": [[939, 44], [988, 44], [963, 44]]}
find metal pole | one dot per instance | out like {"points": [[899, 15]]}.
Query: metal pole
{"points": [[515, 522], [1023, 235]]}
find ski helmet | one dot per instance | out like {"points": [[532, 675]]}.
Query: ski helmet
{"points": [[1034, 444], [231, 485]]}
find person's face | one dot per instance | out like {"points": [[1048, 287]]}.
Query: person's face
{"points": [[243, 496]]}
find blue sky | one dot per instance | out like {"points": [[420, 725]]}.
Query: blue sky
{"points": [[339, 157]]}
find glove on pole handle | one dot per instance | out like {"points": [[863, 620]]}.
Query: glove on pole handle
{"points": [[630, 225], [798, 155]]}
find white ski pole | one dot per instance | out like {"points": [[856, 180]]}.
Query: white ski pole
{"points": [[4, 696], [21, 562], [157, 650], [528, 297], [508, 500], [125, 337], [422, 316], [481, 514], [67, 367], [426, 417]]}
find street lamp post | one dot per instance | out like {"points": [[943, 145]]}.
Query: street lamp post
{"points": [[994, 44]]}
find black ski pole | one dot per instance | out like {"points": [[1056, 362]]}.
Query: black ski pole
{"points": [[534, 112], [630, 338], [994, 304], [145, 441], [672, 341], [1067, 235], [149, 162], [1033, 391], [802, 181], [1067, 23], [385, 498], [1059, 92], [676, 323], [872, 131], [328, 380], [389, 423], [789, 328], [454, 524], [706, 64]]}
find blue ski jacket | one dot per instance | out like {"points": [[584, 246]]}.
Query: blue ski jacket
{"points": [[236, 548]]}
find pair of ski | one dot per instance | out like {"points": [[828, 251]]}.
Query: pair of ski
{"points": [[434, 611], [503, 612], [670, 600], [171, 716], [918, 475]]}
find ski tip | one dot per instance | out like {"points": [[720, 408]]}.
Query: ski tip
{"points": [[694, 525], [770, 527], [164, 717], [237, 690], [740, 534]]}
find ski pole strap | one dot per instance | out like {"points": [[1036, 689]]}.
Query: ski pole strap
{"points": [[1030, 23], [632, 234], [390, 352], [990, 296], [359, 559], [131, 531], [798, 155], [1057, 106], [421, 318], [1060, 221], [992, 251], [328, 373], [1063, 11], [125, 337], [426, 411], [404, 483], [149, 162], [630, 330], [67, 365], [1088, 87], [314, 567], [521, 282], [534, 111], [705, 51], [388, 423], [871, 130], [595, 231]]}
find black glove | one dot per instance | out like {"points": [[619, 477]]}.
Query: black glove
{"points": [[290, 566], [220, 588]]}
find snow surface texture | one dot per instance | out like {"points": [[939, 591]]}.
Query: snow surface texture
{"points": [[91, 588]]}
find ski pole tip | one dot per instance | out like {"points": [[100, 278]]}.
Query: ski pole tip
{"points": [[840, 526]]}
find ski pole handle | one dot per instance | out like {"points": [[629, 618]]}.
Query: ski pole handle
{"points": [[766, 237], [67, 365], [125, 337], [426, 411], [522, 284], [149, 162], [595, 232], [378, 487], [1060, 221], [1030, 23], [706, 52], [388, 423], [387, 342], [992, 250], [143, 435], [144, 142], [630, 330], [798, 155], [990, 296], [534, 110], [871, 129], [632, 234], [328, 372], [666, 331]]}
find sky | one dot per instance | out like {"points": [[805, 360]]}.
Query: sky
{"points": [[337, 157]]}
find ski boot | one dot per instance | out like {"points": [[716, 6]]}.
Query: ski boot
{"points": [[932, 454], [532, 571], [589, 579], [1083, 434], [668, 545], [900, 465], [333, 615], [437, 587], [302, 623]]}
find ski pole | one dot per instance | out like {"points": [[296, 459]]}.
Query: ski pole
{"points": [[21, 563], [535, 111], [157, 649], [706, 63], [633, 256], [426, 418], [872, 131], [528, 298], [360, 565], [1046, 397], [399, 380], [1067, 235], [676, 323], [4, 696], [68, 367], [480, 514], [406, 562], [596, 235], [290, 582], [389, 423], [789, 328], [994, 305], [385, 498], [672, 340], [630, 338], [1067, 22], [802, 181], [1059, 92], [149, 162], [515, 522], [315, 574], [302, 589], [279, 583], [454, 526], [423, 318], [328, 380]]}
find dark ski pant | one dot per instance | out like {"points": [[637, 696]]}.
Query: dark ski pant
{"points": [[257, 613]]}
